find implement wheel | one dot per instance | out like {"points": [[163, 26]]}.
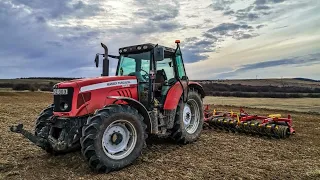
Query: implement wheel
{"points": [[113, 138]]}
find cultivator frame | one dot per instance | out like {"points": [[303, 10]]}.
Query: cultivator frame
{"points": [[272, 125]]}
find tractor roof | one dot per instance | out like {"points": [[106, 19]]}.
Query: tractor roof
{"points": [[142, 48]]}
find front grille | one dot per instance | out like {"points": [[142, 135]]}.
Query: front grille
{"points": [[58, 99]]}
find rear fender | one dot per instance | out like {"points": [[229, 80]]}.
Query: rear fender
{"points": [[198, 87], [137, 105], [175, 92]]}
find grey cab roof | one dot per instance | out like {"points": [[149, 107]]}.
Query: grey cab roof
{"points": [[150, 45]]}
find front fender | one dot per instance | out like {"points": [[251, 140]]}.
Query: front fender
{"points": [[137, 105]]}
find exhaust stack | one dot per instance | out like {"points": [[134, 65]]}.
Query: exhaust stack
{"points": [[105, 65]]}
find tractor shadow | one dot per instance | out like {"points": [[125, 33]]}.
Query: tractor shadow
{"points": [[74, 162]]}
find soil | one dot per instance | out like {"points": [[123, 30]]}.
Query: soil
{"points": [[216, 155]]}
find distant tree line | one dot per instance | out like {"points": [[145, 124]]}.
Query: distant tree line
{"points": [[211, 89], [263, 94], [239, 90], [208, 87], [29, 86], [306, 79], [52, 78]]}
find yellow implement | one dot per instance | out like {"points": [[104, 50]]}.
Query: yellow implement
{"points": [[274, 116]]}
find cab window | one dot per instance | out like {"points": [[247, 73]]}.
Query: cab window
{"points": [[131, 63], [167, 66]]}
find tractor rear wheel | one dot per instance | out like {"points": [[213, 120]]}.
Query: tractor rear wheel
{"points": [[113, 138], [189, 119]]}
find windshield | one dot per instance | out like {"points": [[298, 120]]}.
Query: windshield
{"points": [[131, 64]]}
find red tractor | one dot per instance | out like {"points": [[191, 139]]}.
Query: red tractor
{"points": [[110, 117]]}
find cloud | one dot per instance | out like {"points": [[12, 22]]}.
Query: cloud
{"points": [[236, 31], [37, 47], [253, 12], [241, 28], [197, 47], [194, 49], [260, 26], [221, 4], [166, 10], [226, 28], [261, 7], [294, 61], [263, 2], [247, 16], [239, 36], [59, 8], [149, 26]]}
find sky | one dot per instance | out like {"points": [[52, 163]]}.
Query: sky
{"points": [[220, 39]]}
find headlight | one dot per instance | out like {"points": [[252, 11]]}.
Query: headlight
{"points": [[64, 106]]}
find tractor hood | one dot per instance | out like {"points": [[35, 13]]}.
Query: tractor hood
{"points": [[99, 82], [84, 96]]}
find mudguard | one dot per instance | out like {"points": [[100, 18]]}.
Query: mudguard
{"points": [[137, 105], [175, 92]]}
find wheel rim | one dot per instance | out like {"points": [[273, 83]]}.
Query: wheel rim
{"points": [[191, 116], [119, 139]]}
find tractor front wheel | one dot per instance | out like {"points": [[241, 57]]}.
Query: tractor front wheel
{"points": [[113, 138], [42, 129], [189, 119]]}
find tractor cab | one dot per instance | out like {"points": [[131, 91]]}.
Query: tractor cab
{"points": [[157, 68]]}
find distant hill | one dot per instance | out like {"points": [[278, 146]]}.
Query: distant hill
{"points": [[51, 78], [285, 82], [306, 79]]}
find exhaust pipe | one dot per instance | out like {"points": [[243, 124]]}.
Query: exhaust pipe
{"points": [[105, 65]]}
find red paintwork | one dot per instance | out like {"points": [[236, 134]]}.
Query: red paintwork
{"points": [[173, 97], [98, 96], [175, 93]]}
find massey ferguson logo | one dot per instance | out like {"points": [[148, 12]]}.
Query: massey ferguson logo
{"points": [[119, 83]]}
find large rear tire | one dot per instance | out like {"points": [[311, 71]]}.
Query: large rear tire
{"points": [[113, 138], [189, 119]]}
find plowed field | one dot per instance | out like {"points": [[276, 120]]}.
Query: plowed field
{"points": [[216, 155]]}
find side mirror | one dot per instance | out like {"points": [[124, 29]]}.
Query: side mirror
{"points": [[158, 53], [96, 60]]}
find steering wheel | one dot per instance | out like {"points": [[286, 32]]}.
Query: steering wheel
{"points": [[142, 77], [146, 75]]}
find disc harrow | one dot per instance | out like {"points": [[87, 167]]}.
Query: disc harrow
{"points": [[272, 125]]}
